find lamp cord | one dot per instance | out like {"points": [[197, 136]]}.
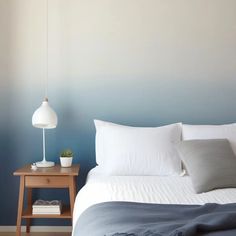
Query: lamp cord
{"points": [[46, 76]]}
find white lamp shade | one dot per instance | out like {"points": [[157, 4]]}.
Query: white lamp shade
{"points": [[44, 117]]}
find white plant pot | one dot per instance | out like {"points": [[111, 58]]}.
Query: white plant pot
{"points": [[66, 161]]}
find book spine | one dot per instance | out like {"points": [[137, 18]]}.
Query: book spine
{"points": [[47, 207], [46, 213]]}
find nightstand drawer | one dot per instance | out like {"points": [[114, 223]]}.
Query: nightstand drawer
{"points": [[47, 181]]}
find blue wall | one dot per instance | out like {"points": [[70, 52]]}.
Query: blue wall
{"points": [[121, 76]]}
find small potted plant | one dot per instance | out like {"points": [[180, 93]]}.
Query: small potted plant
{"points": [[66, 158]]}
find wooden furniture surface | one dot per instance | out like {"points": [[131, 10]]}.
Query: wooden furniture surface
{"points": [[55, 170], [52, 177]]}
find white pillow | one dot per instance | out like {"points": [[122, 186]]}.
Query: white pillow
{"points": [[190, 132], [125, 150]]}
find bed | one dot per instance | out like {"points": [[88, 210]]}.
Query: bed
{"points": [[151, 205], [149, 189], [100, 188]]}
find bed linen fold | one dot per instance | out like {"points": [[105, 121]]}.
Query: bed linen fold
{"points": [[142, 219]]}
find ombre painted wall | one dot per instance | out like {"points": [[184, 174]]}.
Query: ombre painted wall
{"points": [[135, 62]]}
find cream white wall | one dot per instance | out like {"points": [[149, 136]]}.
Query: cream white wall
{"points": [[178, 39]]}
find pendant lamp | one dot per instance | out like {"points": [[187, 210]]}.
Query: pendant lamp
{"points": [[45, 117]]}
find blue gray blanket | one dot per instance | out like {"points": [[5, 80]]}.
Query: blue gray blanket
{"points": [[139, 219]]}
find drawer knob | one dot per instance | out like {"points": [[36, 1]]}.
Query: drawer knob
{"points": [[48, 181]]}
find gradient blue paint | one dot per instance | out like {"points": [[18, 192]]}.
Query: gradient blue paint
{"points": [[138, 102]]}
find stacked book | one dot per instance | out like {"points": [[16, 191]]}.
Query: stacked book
{"points": [[47, 207]]}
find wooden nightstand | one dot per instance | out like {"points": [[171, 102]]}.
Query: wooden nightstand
{"points": [[53, 177]]}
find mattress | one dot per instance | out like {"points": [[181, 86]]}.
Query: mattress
{"points": [[146, 189]]}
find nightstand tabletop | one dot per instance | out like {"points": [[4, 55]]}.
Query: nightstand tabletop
{"points": [[55, 170]]}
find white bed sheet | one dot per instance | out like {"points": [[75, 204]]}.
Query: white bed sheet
{"points": [[147, 189]]}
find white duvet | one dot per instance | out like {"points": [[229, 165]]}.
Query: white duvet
{"points": [[147, 189]]}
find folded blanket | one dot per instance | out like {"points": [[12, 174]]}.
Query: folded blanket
{"points": [[140, 219]]}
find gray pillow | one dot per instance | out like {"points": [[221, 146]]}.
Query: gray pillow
{"points": [[211, 164]]}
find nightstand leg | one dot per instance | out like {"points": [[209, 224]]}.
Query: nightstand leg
{"points": [[20, 205], [75, 185], [72, 194], [29, 206]]}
